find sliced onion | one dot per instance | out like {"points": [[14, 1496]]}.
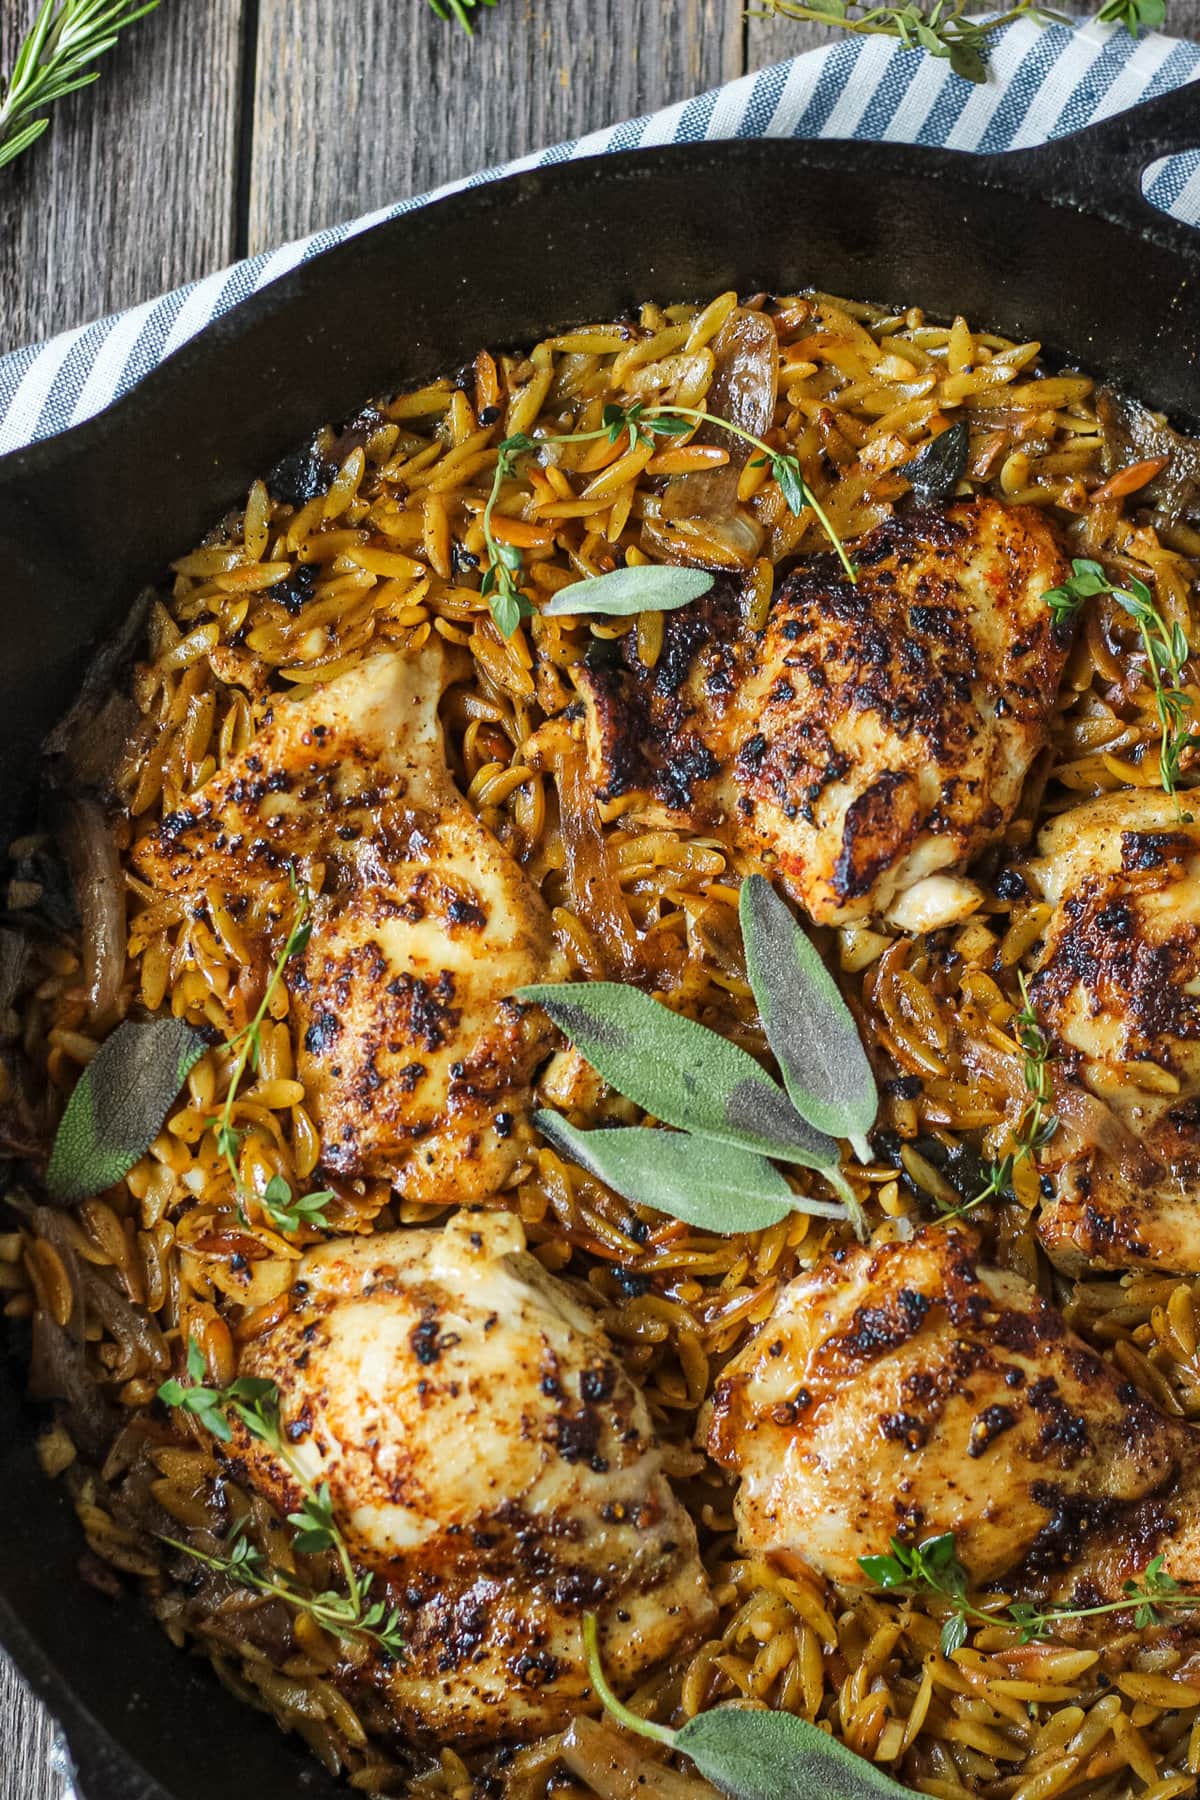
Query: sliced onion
{"points": [[616, 1767], [742, 390], [595, 893], [730, 543], [1085, 1122], [91, 854]]}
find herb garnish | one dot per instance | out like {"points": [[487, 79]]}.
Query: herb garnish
{"points": [[1037, 1123], [750, 1753], [255, 1401], [458, 10], [715, 1094], [501, 586], [65, 37], [936, 26], [933, 1568], [1166, 649], [118, 1105], [650, 587], [1134, 15], [286, 1211], [807, 1023]]}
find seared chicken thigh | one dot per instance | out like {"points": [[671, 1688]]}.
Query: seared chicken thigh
{"points": [[874, 734], [488, 1457], [1117, 990], [415, 1060], [907, 1391]]}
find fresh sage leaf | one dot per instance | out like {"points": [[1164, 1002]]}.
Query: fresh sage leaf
{"points": [[652, 587], [808, 1024], [775, 1756], [937, 469], [680, 1072], [119, 1104], [713, 1186]]}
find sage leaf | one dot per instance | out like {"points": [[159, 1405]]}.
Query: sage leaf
{"points": [[936, 470], [808, 1024], [680, 1072], [775, 1756], [714, 1186], [652, 587], [119, 1104]]}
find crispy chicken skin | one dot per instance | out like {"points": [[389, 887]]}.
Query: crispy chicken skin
{"points": [[874, 734], [415, 1060], [1117, 989], [906, 1390], [488, 1457]]}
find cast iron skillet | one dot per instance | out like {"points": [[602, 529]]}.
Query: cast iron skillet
{"points": [[1055, 243]]}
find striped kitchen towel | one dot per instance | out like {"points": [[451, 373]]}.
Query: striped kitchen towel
{"points": [[1044, 81]]}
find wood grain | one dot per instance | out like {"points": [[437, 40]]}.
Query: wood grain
{"points": [[26, 1735], [396, 100], [132, 188]]}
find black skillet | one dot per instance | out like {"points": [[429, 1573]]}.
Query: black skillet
{"points": [[1055, 243]]}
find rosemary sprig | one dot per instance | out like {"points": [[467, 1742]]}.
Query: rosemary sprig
{"points": [[501, 584], [459, 10], [933, 1568], [255, 1401], [285, 1210], [1166, 650], [1037, 1124], [66, 35]]}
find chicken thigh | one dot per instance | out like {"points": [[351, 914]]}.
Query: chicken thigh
{"points": [[489, 1459], [875, 734], [907, 1391], [1117, 990], [415, 1059]]}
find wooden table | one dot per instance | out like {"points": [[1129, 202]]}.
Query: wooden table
{"points": [[223, 127]]}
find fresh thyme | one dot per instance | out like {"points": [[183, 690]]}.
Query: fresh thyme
{"points": [[285, 1210], [501, 584], [1037, 1123], [66, 35], [255, 1401], [1166, 650], [933, 1568], [936, 26]]}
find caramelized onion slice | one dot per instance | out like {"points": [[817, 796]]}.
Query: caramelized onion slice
{"points": [[616, 1767], [742, 390], [91, 855]]}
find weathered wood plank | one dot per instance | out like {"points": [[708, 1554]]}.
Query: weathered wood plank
{"points": [[393, 100], [131, 190], [26, 1735]]}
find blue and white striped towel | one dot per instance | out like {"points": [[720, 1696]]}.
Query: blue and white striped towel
{"points": [[1044, 81]]}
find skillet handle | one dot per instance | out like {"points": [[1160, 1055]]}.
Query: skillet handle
{"points": [[1100, 168]]}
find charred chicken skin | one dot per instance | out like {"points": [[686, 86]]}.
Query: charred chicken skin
{"points": [[1117, 990], [907, 1390], [489, 1459], [874, 736], [415, 1059]]}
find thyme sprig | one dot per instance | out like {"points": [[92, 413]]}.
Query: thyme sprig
{"points": [[255, 1401], [53, 59], [1166, 650], [501, 583], [285, 1210], [939, 27], [933, 1567], [1037, 1124]]}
